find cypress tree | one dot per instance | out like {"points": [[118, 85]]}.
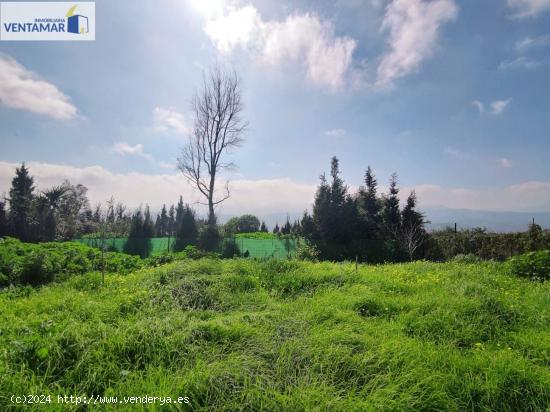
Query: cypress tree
{"points": [[180, 209], [148, 227], [21, 202], [3, 220], [136, 242], [171, 227], [285, 230], [187, 233], [162, 222]]}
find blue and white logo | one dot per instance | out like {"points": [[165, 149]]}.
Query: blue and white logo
{"points": [[77, 23], [47, 21]]}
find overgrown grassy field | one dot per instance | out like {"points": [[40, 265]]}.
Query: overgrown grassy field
{"points": [[285, 336]]}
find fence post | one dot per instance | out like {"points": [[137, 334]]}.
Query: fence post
{"points": [[356, 261]]}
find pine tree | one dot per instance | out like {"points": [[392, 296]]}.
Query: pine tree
{"points": [[180, 209], [138, 243], [369, 207], [276, 229], [391, 216], [285, 230], [171, 227], [412, 232], [308, 229], [187, 233], [21, 204], [148, 227], [322, 209], [3, 220], [263, 228], [162, 223], [158, 227]]}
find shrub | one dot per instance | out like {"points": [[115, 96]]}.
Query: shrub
{"points": [[533, 265], [466, 258], [229, 248], [209, 238], [34, 264], [306, 251]]}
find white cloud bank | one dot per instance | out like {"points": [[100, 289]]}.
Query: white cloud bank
{"points": [[22, 89], [267, 196], [528, 8], [302, 39], [413, 27]]}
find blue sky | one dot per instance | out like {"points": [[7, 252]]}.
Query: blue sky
{"points": [[451, 95]]}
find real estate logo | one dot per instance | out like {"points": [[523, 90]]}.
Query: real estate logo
{"points": [[47, 21], [76, 22]]}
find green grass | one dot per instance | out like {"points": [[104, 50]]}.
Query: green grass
{"points": [[285, 336]]}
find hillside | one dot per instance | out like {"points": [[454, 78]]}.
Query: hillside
{"points": [[285, 335]]}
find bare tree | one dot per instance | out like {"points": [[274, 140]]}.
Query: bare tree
{"points": [[218, 127], [412, 236]]}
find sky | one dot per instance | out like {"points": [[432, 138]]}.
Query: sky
{"points": [[452, 95]]}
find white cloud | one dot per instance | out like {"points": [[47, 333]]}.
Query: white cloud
{"points": [[22, 89], [479, 106], [499, 106], [528, 43], [335, 132], [528, 8], [168, 119], [496, 107], [521, 62], [505, 163], [247, 196], [301, 39], [124, 149], [413, 27], [262, 197]]}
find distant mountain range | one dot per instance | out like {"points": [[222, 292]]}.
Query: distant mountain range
{"points": [[495, 221], [441, 217]]}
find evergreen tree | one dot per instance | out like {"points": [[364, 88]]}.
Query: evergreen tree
{"points": [[180, 209], [296, 229], [21, 204], [148, 227], [138, 243], [263, 228], [369, 207], [187, 233], [391, 216], [171, 227], [276, 229], [3, 220], [308, 226], [158, 228], [412, 233], [410, 216], [322, 209], [285, 230], [161, 224]]}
